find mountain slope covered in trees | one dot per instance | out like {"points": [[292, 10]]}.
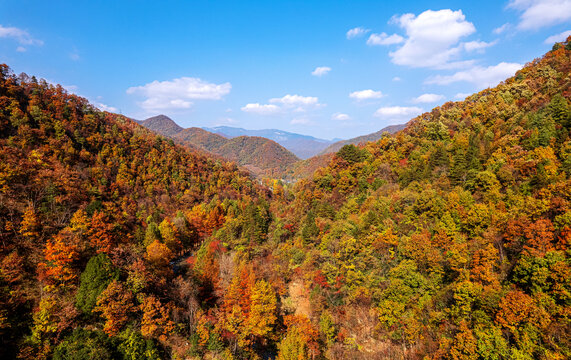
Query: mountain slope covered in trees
{"points": [[80, 187], [449, 240]]}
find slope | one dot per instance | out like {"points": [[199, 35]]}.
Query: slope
{"points": [[200, 138], [260, 155], [79, 186], [450, 239]]}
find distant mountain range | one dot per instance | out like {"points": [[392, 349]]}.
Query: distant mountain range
{"points": [[264, 152], [304, 146], [260, 155]]}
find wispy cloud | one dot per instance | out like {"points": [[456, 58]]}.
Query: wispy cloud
{"points": [[558, 37], [178, 93], [501, 29], [321, 70], [482, 77], [384, 39], [340, 117], [477, 46], [536, 14], [356, 32], [21, 36], [104, 107]]}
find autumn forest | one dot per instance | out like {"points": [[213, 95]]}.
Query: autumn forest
{"points": [[447, 240]]}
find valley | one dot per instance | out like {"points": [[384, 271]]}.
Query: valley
{"points": [[445, 237]]}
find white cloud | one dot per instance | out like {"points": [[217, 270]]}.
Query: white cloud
{"points": [[398, 112], [286, 104], [428, 98], [478, 46], [19, 35], [356, 32], [74, 56], [384, 39], [396, 78], [558, 37], [541, 13], [321, 70], [104, 107], [21, 49], [433, 39], [482, 77], [257, 108], [165, 104], [296, 101], [502, 28], [340, 117], [366, 95], [178, 93]]}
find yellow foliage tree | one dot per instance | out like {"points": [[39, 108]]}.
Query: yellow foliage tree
{"points": [[262, 309]]}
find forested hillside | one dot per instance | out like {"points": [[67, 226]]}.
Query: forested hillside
{"points": [[449, 240], [90, 199], [263, 157]]}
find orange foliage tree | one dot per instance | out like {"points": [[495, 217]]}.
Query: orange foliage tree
{"points": [[116, 305], [156, 321], [59, 257]]}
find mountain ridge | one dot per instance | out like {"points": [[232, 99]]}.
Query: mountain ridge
{"points": [[262, 156], [303, 146]]}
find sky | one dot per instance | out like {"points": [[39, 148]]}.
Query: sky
{"points": [[330, 69]]}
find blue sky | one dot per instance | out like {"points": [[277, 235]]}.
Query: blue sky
{"points": [[323, 68]]}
